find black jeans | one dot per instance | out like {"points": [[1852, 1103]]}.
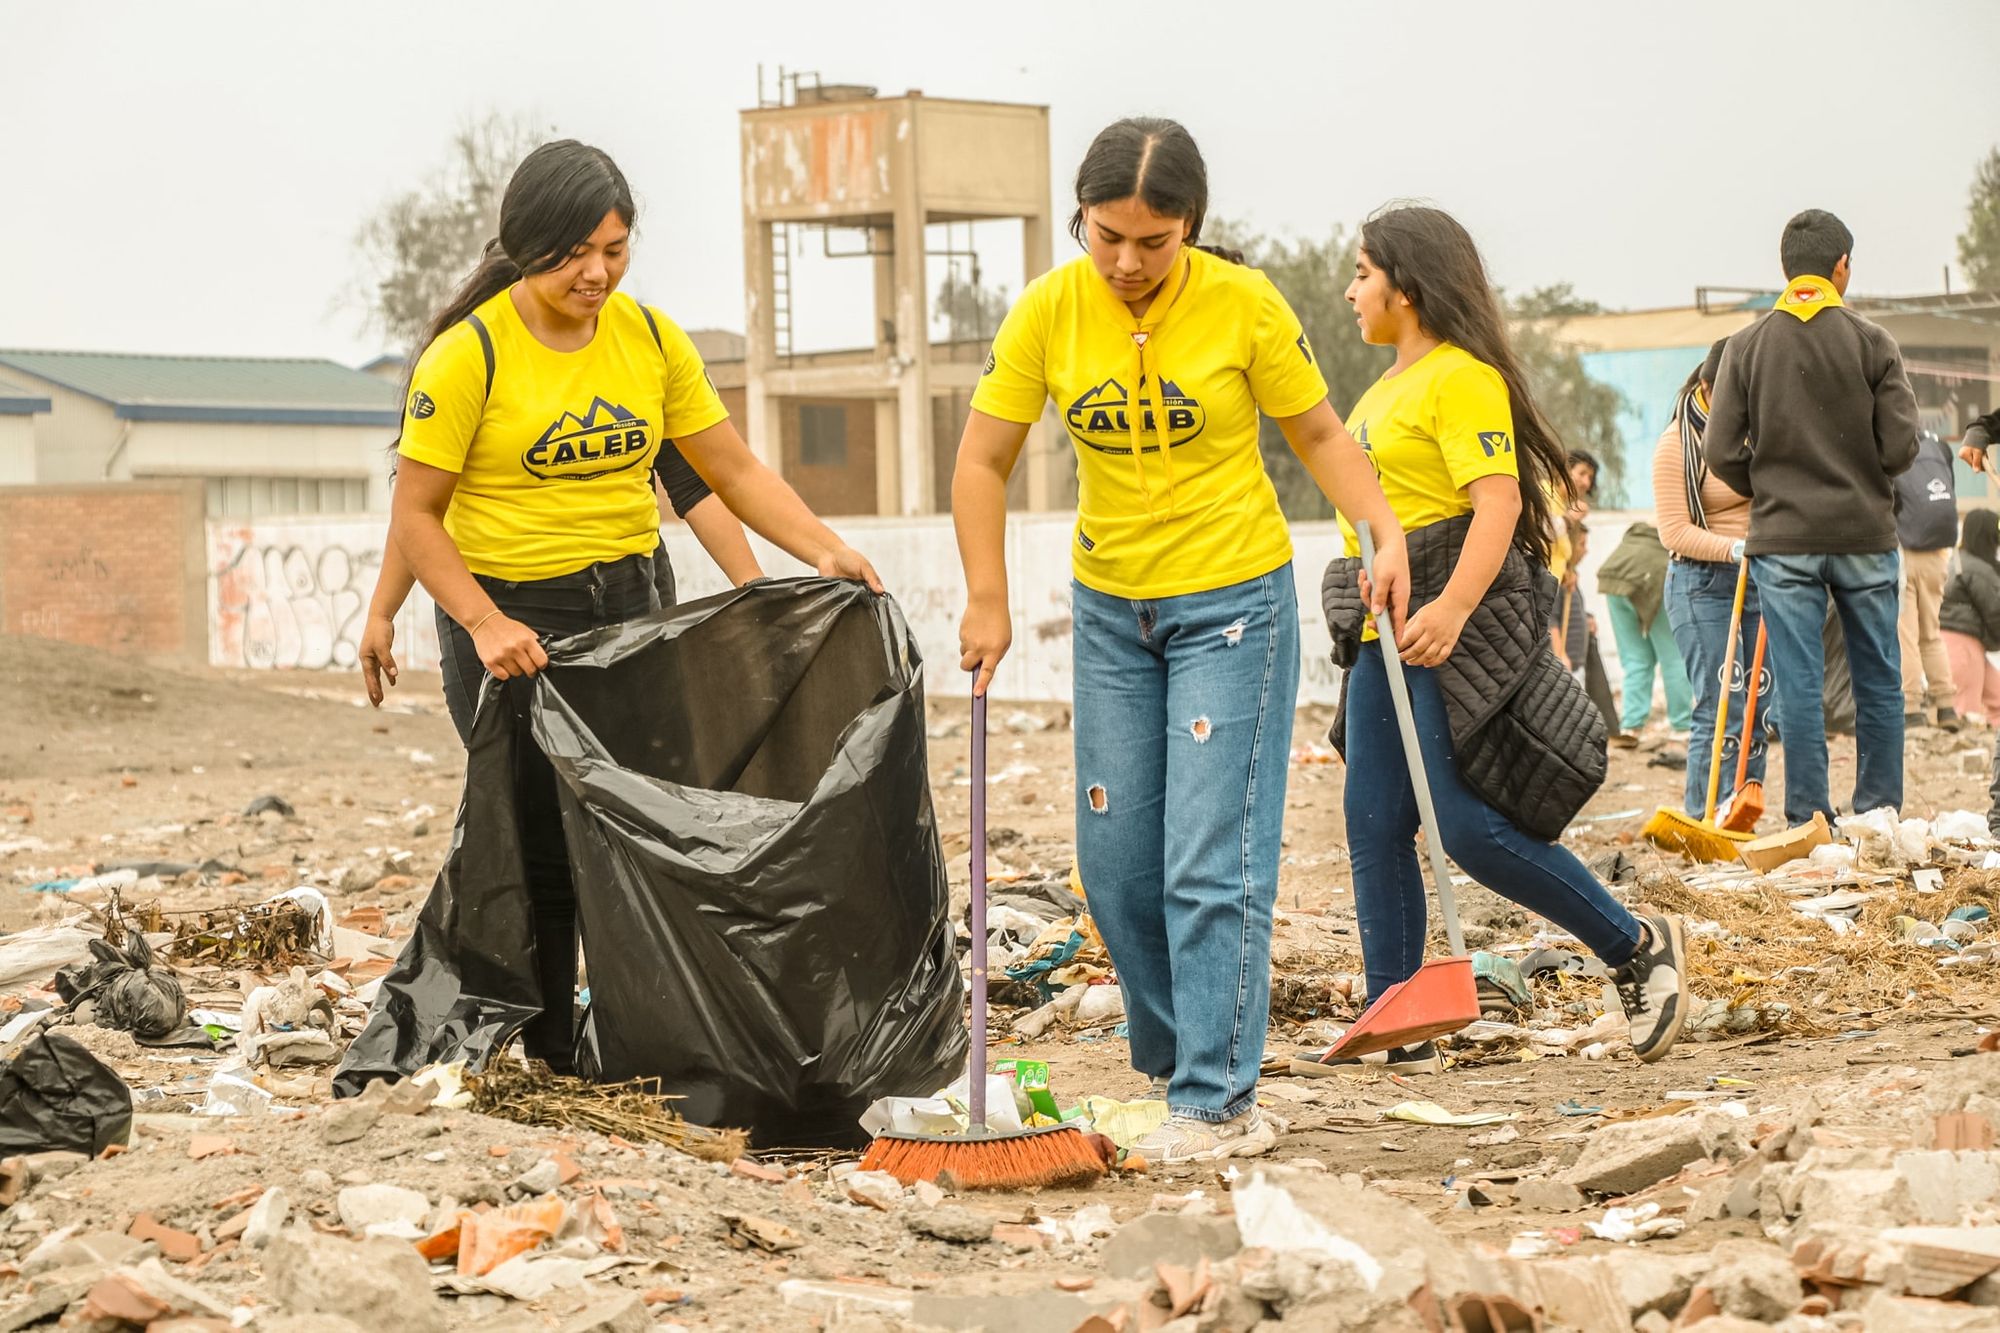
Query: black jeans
{"points": [[556, 608]]}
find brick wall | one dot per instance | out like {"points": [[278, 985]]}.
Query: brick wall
{"points": [[117, 565], [832, 490]]}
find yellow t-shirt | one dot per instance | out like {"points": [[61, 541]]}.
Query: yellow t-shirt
{"points": [[1220, 343], [555, 462], [1432, 431]]}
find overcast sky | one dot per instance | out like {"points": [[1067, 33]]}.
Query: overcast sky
{"points": [[188, 177]]}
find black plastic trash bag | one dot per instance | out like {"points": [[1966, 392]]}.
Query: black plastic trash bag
{"points": [[762, 891], [57, 1096]]}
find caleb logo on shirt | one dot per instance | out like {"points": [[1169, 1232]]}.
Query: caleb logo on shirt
{"points": [[1099, 420], [606, 439]]}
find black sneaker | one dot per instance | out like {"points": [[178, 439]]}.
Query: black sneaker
{"points": [[1949, 719], [1422, 1058], [1652, 988]]}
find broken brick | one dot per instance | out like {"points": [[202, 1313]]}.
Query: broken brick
{"points": [[750, 1170], [180, 1246], [1964, 1130], [1019, 1238], [203, 1146]]}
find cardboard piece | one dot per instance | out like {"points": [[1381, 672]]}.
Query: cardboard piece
{"points": [[1765, 854]]}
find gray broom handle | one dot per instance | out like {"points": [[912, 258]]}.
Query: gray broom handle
{"points": [[1413, 755]]}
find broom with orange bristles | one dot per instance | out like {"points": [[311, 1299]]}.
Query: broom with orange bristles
{"points": [[1701, 839], [982, 1157], [1746, 806]]}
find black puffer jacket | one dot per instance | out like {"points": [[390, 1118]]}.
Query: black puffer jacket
{"points": [[1972, 602], [1526, 736]]}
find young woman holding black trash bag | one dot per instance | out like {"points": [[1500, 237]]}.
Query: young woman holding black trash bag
{"points": [[523, 499], [676, 486], [1466, 459], [1159, 356]]}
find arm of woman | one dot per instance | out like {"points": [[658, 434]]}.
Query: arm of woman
{"points": [[378, 633], [719, 532], [987, 453], [772, 509], [1347, 479], [506, 647], [722, 536], [1670, 505], [1433, 632]]}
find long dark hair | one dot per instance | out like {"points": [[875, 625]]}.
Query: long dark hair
{"points": [[1430, 258], [1151, 159], [1981, 536], [554, 200]]}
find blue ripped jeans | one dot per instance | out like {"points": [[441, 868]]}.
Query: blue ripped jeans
{"points": [[1183, 744], [1391, 902]]}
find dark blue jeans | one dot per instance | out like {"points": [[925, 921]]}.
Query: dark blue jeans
{"points": [[1792, 591], [1700, 594], [1382, 821]]}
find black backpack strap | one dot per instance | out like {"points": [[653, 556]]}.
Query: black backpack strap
{"points": [[652, 327], [486, 347]]}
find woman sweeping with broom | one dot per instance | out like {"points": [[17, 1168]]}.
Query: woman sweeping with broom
{"points": [[1469, 464], [1159, 356]]}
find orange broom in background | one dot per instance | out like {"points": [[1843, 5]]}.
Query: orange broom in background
{"points": [[984, 1158], [1746, 805]]}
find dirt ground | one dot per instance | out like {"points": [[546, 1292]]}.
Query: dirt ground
{"points": [[107, 760]]}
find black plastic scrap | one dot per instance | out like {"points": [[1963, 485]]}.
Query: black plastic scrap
{"points": [[761, 886], [57, 1096]]}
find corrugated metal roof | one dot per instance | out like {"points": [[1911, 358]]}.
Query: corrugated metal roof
{"points": [[16, 401], [300, 390]]}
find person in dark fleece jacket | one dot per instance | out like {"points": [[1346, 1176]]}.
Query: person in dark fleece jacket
{"points": [[1813, 419]]}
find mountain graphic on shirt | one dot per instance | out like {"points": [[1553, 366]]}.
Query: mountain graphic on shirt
{"points": [[1099, 419], [603, 439]]}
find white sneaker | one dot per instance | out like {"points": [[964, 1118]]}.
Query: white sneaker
{"points": [[1185, 1139]]}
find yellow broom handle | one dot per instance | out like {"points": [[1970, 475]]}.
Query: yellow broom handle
{"points": [[1728, 674]]}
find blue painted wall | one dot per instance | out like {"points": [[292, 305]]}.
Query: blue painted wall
{"points": [[1649, 378]]}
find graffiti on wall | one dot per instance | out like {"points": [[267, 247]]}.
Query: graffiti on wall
{"points": [[295, 594]]}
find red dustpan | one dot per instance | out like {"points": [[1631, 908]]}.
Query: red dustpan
{"points": [[1442, 997]]}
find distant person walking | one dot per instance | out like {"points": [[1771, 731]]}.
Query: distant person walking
{"points": [[1813, 419], [1703, 525], [1926, 527], [1969, 618], [1633, 582]]}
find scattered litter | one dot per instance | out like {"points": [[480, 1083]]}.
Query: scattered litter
{"points": [[1643, 1222], [1430, 1113]]}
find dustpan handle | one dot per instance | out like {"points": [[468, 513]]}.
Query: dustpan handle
{"points": [[976, 1100], [1413, 755]]}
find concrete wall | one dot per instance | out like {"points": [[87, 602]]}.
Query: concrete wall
{"points": [[292, 592], [75, 439], [17, 449], [256, 449], [110, 565]]}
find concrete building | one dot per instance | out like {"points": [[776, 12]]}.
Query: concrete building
{"points": [[873, 430], [264, 435], [18, 409], [1951, 346]]}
